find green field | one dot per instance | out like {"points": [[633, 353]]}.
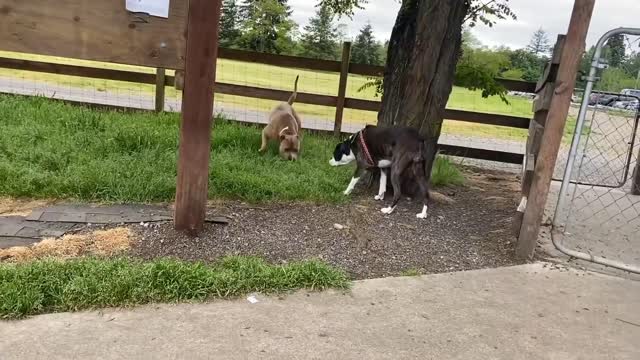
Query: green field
{"points": [[49, 149], [282, 78]]}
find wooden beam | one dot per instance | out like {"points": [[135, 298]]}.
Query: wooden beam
{"points": [[94, 30], [481, 154], [554, 127], [517, 85], [277, 95], [540, 107], [197, 114], [279, 60], [342, 87], [366, 70], [74, 70], [160, 84]]}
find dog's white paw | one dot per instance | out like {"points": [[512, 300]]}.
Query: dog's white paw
{"points": [[423, 213], [387, 210], [379, 197], [346, 192]]}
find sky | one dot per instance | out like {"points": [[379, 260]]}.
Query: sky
{"points": [[550, 15]]}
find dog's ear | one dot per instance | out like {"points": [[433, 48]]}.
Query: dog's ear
{"points": [[282, 137]]}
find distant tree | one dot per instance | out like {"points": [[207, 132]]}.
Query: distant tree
{"points": [[320, 37], [229, 24], [477, 68], [469, 40], [615, 50], [529, 63], [539, 44], [384, 48], [342, 30], [615, 79], [366, 50], [266, 27], [585, 65], [248, 7], [632, 64]]}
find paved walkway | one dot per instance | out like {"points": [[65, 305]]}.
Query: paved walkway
{"points": [[535, 311], [55, 221]]}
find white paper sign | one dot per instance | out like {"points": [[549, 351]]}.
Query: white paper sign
{"points": [[152, 7]]}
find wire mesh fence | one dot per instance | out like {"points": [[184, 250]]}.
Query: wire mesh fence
{"points": [[602, 212], [256, 110]]}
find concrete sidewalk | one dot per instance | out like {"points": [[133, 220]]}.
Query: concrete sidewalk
{"points": [[536, 311]]}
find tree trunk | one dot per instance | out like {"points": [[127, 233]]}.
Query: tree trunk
{"points": [[421, 62]]}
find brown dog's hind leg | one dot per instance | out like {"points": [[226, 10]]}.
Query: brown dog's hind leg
{"points": [[263, 147]]}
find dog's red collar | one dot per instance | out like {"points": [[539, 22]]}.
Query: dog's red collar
{"points": [[365, 149]]}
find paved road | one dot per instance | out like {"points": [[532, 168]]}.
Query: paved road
{"points": [[536, 311]]}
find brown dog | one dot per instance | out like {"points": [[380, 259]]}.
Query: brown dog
{"points": [[284, 124]]}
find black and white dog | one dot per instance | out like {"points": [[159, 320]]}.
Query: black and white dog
{"points": [[398, 150]]}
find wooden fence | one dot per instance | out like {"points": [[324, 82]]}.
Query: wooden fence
{"points": [[340, 102]]}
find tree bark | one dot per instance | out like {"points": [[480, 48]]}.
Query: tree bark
{"points": [[421, 62]]}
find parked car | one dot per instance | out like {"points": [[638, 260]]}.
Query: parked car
{"points": [[602, 99], [632, 92], [632, 104]]}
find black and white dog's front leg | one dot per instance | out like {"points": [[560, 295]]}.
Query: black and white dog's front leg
{"points": [[354, 180], [383, 185]]}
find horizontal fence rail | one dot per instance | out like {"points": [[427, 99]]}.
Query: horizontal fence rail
{"points": [[306, 98]]}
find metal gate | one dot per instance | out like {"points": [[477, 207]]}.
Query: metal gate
{"points": [[597, 215]]}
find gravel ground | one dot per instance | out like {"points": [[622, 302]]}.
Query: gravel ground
{"points": [[469, 231]]}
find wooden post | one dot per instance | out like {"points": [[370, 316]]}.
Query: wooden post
{"points": [[545, 89], [554, 127], [197, 114], [179, 80], [160, 80], [635, 184], [342, 87]]}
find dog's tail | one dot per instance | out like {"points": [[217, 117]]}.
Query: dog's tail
{"points": [[293, 96]]}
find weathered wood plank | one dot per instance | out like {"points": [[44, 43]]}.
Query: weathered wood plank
{"points": [[160, 84], [197, 109], [481, 154], [277, 95], [279, 60], [100, 30], [74, 70], [573, 48], [342, 87]]}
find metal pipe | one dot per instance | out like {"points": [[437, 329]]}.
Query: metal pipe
{"points": [[594, 259], [575, 142]]}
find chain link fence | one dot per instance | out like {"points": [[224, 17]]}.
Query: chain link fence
{"points": [[601, 216]]}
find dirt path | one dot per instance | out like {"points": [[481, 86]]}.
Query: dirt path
{"points": [[471, 232]]}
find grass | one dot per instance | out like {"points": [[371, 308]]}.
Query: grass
{"points": [[46, 286], [52, 150], [411, 272], [445, 173], [273, 77]]}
